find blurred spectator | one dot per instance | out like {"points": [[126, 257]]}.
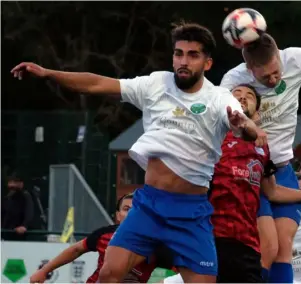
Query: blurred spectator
{"points": [[17, 209]]}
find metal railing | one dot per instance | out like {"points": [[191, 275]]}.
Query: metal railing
{"points": [[40, 236], [68, 188]]}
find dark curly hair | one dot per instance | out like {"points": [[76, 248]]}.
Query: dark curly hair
{"points": [[194, 32]]}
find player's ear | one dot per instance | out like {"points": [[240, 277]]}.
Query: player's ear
{"points": [[208, 63]]}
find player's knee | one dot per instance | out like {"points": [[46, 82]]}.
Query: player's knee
{"points": [[285, 245], [110, 274]]}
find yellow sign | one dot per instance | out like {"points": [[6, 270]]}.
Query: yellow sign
{"points": [[68, 226]]}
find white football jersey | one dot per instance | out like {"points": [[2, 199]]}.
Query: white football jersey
{"points": [[278, 111], [184, 130]]}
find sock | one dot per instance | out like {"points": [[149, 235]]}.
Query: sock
{"points": [[265, 275], [281, 273]]}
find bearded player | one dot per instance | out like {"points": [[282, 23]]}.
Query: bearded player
{"points": [[240, 174], [185, 119], [276, 75]]}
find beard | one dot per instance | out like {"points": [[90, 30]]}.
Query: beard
{"points": [[248, 114], [187, 83]]}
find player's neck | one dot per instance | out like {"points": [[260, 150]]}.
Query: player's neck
{"points": [[196, 87]]}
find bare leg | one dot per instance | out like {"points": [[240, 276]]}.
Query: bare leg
{"points": [[268, 240], [282, 270], [286, 229], [117, 263]]}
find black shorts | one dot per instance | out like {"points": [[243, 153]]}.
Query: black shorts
{"points": [[237, 263]]}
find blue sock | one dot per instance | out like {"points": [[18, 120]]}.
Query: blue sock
{"points": [[265, 274], [281, 273]]}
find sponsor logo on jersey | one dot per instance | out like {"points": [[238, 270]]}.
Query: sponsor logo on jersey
{"points": [[179, 112], [230, 145], [252, 173], [198, 108], [280, 88]]}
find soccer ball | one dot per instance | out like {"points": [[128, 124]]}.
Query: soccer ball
{"points": [[243, 26]]}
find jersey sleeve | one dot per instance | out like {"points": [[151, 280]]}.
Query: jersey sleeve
{"points": [[227, 99], [230, 80], [134, 91], [91, 241], [236, 76], [295, 53]]}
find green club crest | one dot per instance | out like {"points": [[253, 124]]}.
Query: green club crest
{"points": [[280, 88], [14, 269], [198, 108]]}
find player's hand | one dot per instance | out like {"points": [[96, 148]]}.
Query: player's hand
{"points": [[236, 118], [20, 230], [29, 67], [262, 138], [239, 121], [38, 277]]}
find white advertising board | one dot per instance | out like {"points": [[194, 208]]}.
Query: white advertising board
{"points": [[19, 260], [297, 257]]}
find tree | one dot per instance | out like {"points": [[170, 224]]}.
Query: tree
{"points": [[94, 37]]}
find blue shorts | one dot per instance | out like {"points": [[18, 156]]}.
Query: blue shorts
{"points": [[285, 176], [179, 221]]}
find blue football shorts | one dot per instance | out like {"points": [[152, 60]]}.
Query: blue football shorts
{"points": [[179, 221]]}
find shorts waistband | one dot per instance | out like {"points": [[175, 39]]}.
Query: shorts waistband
{"points": [[287, 167], [182, 196]]}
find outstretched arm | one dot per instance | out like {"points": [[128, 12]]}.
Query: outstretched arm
{"points": [[67, 256], [278, 193], [78, 81], [133, 91]]}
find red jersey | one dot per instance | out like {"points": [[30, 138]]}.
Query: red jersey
{"points": [[235, 192], [98, 241]]}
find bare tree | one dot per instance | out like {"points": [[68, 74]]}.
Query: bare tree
{"points": [[80, 42]]}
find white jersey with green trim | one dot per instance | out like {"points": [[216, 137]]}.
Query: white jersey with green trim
{"points": [[184, 130], [278, 111]]}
